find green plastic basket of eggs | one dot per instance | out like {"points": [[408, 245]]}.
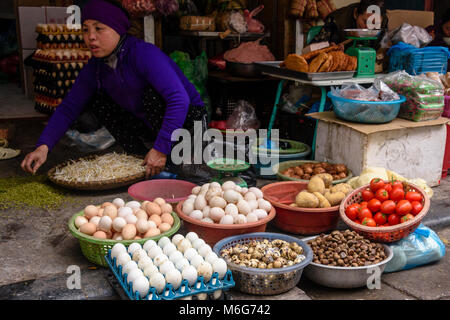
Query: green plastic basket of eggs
{"points": [[99, 228]]}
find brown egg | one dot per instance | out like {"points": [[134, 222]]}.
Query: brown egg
{"points": [[167, 218], [137, 238], [105, 204], [129, 232], [153, 208], [153, 232], [159, 201], [90, 211], [100, 235], [88, 228], [100, 212], [141, 214], [166, 208], [110, 211], [156, 219], [144, 204], [164, 227]]}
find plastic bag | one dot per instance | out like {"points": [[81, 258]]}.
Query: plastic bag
{"points": [[378, 92], [243, 117], [142, 8], [413, 35], [93, 141], [421, 247]]}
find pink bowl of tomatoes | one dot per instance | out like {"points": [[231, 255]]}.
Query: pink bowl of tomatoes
{"points": [[385, 211]]}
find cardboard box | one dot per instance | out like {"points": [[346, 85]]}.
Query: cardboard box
{"points": [[411, 149], [413, 17]]}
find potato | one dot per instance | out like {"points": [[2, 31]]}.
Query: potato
{"points": [[316, 184], [342, 187], [306, 200], [335, 198], [327, 179], [323, 202]]}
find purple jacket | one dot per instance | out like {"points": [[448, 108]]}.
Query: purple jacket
{"points": [[139, 64]]}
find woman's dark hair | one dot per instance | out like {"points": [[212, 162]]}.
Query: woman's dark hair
{"points": [[364, 4]]}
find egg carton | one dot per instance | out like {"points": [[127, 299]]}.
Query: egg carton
{"points": [[201, 290]]}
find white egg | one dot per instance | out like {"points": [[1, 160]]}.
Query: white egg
{"points": [[175, 256], [144, 262], [133, 247], [116, 249], [174, 277], [130, 265], [124, 211], [158, 282], [250, 196], [149, 244], [192, 236], [251, 217], [231, 209], [244, 191], [190, 274], [138, 254], [154, 252], [227, 219], [207, 220], [196, 260], [215, 185], [183, 245], [95, 220], [151, 224], [123, 258], [131, 219], [198, 243], [150, 270], [216, 214], [243, 207], [228, 185], [133, 205], [181, 264], [188, 206], [118, 202], [220, 266], [160, 259], [196, 190], [190, 253], [253, 204], [163, 241], [177, 238], [204, 250], [135, 273], [118, 224], [205, 270], [196, 214], [260, 213], [265, 205], [211, 257], [240, 219], [258, 193], [169, 248], [79, 221], [206, 211], [166, 267], [141, 285]]}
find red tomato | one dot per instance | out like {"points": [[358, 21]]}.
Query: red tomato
{"points": [[369, 222], [393, 219], [413, 196], [396, 184], [364, 213], [406, 218], [376, 183], [352, 212], [380, 218], [367, 195], [374, 205], [403, 207], [416, 207], [397, 194], [382, 195], [357, 221], [364, 204], [388, 187], [388, 207]]}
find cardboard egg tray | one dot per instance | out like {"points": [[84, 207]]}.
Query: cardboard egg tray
{"points": [[213, 289]]}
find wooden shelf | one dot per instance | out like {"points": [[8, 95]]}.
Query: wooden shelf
{"points": [[224, 76], [216, 35]]}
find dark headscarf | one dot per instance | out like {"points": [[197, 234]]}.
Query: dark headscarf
{"points": [[106, 13]]}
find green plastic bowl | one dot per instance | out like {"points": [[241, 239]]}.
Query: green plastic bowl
{"points": [[297, 147], [95, 249], [280, 167]]}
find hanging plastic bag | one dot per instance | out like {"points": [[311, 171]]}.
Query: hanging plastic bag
{"points": [[421, 247], [243, 117]]}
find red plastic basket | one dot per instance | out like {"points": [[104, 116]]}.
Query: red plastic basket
{"points": [[384, 234], [446, 112]]}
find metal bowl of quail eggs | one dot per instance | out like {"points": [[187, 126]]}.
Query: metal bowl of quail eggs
{"points": [[264, 263]]}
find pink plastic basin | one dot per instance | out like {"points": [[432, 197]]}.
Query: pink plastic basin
{"points": [[171, 190]]}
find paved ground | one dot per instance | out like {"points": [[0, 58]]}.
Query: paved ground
{"points": [[36, 248]]}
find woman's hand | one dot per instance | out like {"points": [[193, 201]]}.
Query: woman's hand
{"points": [[35, 159], [155, 163]]}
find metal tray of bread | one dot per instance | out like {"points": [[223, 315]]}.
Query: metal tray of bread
{"points": [[273, 68]]}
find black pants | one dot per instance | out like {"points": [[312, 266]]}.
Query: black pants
{"points": [[130, 131]]}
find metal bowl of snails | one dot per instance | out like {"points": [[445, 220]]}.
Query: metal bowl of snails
{"points": [[264, 263]]}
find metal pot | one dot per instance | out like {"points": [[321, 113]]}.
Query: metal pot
{"points": [[245, 70]]}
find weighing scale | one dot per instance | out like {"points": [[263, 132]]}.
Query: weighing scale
{"points": [[228, 170], [360, 49]]}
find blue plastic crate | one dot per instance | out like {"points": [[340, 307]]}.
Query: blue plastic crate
{"points": [[169, 293], [376, 112], [416, 61]]}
